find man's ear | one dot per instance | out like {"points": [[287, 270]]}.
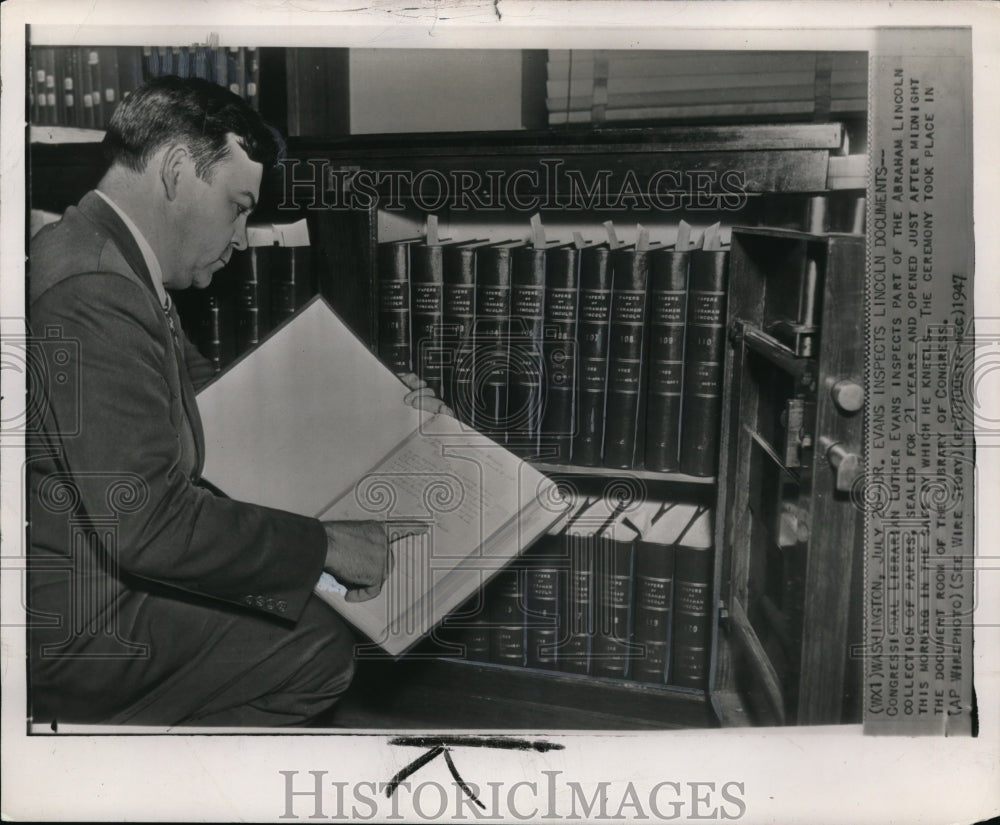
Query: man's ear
{"points": [[172, 167]]}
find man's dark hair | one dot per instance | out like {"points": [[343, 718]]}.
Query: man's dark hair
{"points": [[192, 111]]}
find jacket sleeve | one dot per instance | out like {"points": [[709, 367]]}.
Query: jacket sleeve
{"points": [[173, 531]]}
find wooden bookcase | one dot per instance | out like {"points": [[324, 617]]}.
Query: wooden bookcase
{"points": [[749, 680], [781, 167]]}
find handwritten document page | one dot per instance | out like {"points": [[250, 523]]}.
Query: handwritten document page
{"points": [[482, 505]]}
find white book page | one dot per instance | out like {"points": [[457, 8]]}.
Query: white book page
{"points": [[481, 506], [297, 422]]}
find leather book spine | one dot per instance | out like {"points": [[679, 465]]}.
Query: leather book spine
{"points": [[507, 645], [614, 578], [592, 353], [527, 304], [394, 306], [492, 344], [426, 306], [654, 578], [624, 409], [576, 624], [546, 578], [458, 311], [667, 313], [704, 350], [559, 350]]}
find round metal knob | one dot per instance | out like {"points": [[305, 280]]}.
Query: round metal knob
{"points": [[848, 395]]}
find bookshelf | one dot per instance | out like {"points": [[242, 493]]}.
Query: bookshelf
{"points": [[783, 168], [784, 173]]}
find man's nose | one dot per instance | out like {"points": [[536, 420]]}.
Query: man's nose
{"points": [[240, 236]]}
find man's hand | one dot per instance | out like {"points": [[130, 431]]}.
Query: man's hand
{"points": [[357, 553], [421, 397]]}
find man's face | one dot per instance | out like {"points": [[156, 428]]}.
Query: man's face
{"points": [[210, 217]]}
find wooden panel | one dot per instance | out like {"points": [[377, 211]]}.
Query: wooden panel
{"points": [[827, 136], [835, 519], [761, 683], [413, 694], [662, 173]]}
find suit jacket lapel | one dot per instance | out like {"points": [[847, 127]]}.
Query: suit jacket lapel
{"points": [[96, 209]]}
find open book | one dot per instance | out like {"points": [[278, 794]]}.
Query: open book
{"points": [[312, 422]]}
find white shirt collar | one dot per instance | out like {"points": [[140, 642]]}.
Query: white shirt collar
{"points": [[152, 264]]}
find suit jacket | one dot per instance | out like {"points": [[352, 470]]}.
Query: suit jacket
{"points": [[116, 511]]}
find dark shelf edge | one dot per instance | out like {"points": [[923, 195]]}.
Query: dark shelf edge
{"points": [[611, 472]]}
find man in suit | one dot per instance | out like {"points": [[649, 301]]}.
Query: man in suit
{"points": [[153, 599]]}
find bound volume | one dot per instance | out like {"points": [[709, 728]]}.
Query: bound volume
{"points": [[693, 603], [394, 304], [562, 290], [668, 277], [704, 350], [348, 448], [592, 354], [527, 307], [624, 418]]}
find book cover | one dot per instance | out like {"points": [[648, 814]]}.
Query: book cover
{"points": [[235, 70], [220, 62], [668, 271], [292, 282], [94, 89], [613, 648], [426, 310], [393, 295], [199, 62], [150, 63], [182, 61], [546, 578], [624, 425], [559, 351], [253, 278], [552, 640], [51, 94], [36, 85], [458, 312], [466, 632], [90, 76], [491, 334], [218, 325], [164, 60], [578, 620], [348, 448], [692, 618], [507, 632], [654, 587], [592, 354], [704, 351], [527, 304], [66, 100]]}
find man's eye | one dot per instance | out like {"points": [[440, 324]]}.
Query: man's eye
{"points": [[241, 210]]}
